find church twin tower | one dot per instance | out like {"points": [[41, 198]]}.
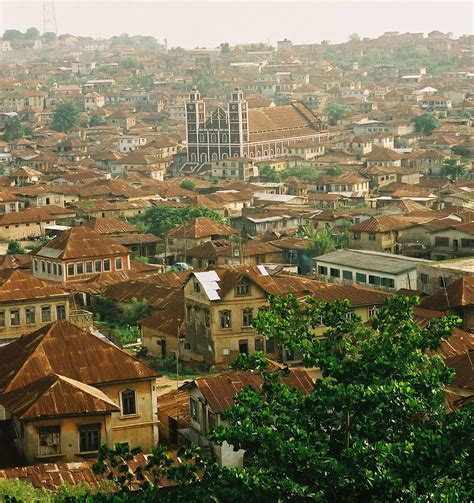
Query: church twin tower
{"points": [[220, 135]]}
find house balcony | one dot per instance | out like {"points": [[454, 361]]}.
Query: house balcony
{"points": [[81, 318]]}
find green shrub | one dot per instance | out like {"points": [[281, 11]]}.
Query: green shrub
{"points": [[16, 491]]}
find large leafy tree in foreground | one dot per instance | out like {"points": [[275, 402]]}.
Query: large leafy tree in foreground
{"points": [[375, 427]]}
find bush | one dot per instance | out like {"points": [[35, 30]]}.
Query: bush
{"points": [[20, 491], [166, 364]]}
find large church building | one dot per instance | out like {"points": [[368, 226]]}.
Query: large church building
{"points": [[258, 133]]}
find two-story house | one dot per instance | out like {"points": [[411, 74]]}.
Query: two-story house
{"points": [[78, 254], [65, 392], [452, 242], [28, 303], [210, 397], [195, 232]]}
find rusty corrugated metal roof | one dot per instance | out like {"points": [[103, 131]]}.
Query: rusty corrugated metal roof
{"points": [[17, 285], [62, 348], [219, 391], [81, 242], [201, 227], [56, 395]]}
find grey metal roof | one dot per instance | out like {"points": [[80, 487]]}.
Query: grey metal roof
{"points": [[370, 261]]}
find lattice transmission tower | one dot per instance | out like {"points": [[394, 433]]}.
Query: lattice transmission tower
{"points": [[49, 17]]}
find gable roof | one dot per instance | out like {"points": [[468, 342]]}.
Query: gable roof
{"points": [[110, 226], [457, 294], [62, 348], [384, 223], [201, 227], [219, 391], [56, 395], [80, 242], [17, 285]]}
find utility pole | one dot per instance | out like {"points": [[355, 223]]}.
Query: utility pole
{"points": [[49, 17]]}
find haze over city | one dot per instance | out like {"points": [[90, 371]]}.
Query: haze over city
{"points": [[193, 23], [236, 251]]}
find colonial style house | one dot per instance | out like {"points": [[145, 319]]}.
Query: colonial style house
{"points": [[455, 241], [65, 392], [195, 232], [28, 303], [380, 233], [209, 397], [220, 305], [79, 254]]}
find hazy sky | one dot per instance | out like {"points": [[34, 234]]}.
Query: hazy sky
{"points": [[197, 23]]}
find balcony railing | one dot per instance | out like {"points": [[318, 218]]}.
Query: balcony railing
{"points": [[81, 318]]}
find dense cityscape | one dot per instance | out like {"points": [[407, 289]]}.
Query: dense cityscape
{"points": [[239, 273]]}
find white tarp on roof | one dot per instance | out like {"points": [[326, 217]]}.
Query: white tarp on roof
{"points": [[209, 281]]}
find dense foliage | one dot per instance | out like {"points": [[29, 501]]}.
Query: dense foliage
{"points": [[160, 219], [336, 111], [305, 173], [14, 248], [14, 129], [453, 169], [66, 116], [374, 429], [425, 123]]}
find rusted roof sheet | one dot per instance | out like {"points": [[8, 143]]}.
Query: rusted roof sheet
{"points": [[219, 391], [17, 285], [128, 239], [62, 348], [110, 226], [128, 290], [56, 395], [457, 294], [170, 318], [79, 243], [53, 476], [386, 223], [201, 227]]}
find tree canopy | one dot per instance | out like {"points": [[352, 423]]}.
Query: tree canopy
{"points": [[375, 427], [336, 111], [160, 219], [453, 169], [14, 129], [66, 116], [425, 123], [14, 248]]}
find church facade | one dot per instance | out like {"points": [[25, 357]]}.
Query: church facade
{"points": [[259, 133]]}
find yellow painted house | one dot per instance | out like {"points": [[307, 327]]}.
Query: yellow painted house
{"points": [[65, 392]]}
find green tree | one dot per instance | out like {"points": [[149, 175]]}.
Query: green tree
{"points": [[14, 129], [225, 48], [130, 63], [95, 120], [32, 34], [375, 428], [453, 169], [49, 37], [188, 185], [14, 248], [66, 116], [160, 219], [322, 242], [334, 170], [12, 35], [336, 111], [269, 173], [425, 123], [354, 37]]}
